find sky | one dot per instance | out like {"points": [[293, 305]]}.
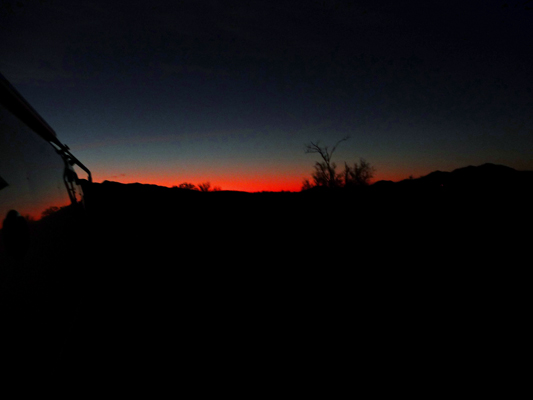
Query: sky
{"points": [[230, 92]]}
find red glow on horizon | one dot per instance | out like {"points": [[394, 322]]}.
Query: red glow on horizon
{"points": [[244, 185], [35, 211], [267, 184], [238, 177]]}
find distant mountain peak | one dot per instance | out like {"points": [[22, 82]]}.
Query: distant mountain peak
{"points": [[486, 169]]}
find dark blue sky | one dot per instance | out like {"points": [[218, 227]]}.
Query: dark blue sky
{"points": [[231, 91]]}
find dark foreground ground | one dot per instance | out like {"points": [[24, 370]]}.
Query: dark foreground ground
{"points": [[241, 293]]}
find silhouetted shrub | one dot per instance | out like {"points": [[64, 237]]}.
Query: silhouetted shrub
{"points": [[204, 187], [358, 175], [187, 185]]}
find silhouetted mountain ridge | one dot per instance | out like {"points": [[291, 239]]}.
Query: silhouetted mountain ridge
{"points": [[484, 177], [488, 186], [470, 177]]}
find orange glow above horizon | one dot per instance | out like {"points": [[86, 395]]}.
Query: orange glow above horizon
{"points": [[228, 170], [268, 183], [239, 184], [34, 210]]}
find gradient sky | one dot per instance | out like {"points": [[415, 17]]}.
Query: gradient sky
{"points": [[230, 92]]}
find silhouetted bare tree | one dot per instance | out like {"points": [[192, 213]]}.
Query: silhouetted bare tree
{"points": [[326, 174]]}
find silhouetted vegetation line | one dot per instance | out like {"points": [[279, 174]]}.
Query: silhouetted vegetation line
{"points": [[202, 187]]}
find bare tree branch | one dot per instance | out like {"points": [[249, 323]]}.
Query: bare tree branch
{"points": [[336, 144]]}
